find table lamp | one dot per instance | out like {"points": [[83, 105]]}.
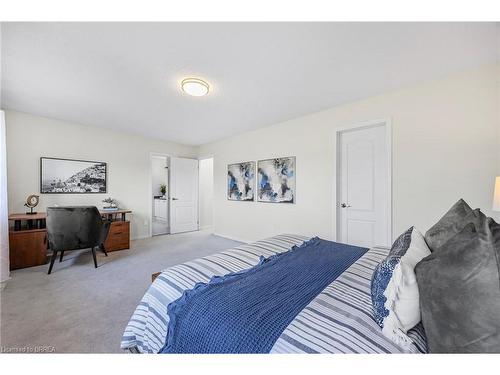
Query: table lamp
{"points": [[496, 195]]}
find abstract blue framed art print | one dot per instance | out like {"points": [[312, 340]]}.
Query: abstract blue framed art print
{"points": [[276, 180], [241, 181]]}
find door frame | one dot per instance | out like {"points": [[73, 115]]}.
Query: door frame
{"points": [[150, 184], [203, 157], [386, 122]]}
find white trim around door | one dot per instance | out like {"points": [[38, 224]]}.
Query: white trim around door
{"points": [[202, 197], [386, 123]]}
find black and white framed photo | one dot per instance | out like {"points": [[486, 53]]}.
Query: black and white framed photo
{"points": [[241, 181], [276, 180], [67, 176]]}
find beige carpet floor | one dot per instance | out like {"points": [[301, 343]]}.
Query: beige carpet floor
{"points": [[80, 309]]}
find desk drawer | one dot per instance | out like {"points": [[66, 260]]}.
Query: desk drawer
{"points": [[119, 225], [27, 248], [118, 236]]}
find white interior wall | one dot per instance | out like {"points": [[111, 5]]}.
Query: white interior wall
{"points": [[498, 96], [206, 191], [128, 157], [445, 147], [4, 227], [4, 243], [446, 136]]}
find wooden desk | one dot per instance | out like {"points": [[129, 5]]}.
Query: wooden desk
{"points": [[31, 221], [39, 216], [28, 242], [111, 215]]}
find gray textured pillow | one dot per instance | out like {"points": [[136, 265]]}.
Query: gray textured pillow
{"points": [[459, 288], [457, 217]]}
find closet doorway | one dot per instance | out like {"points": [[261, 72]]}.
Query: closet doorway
{"points": [[160, 190]]}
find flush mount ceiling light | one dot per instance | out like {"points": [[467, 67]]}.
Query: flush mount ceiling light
{"points": [[195, 86]]}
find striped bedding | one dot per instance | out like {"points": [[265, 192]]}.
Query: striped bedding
{"points": [[338, 320]]}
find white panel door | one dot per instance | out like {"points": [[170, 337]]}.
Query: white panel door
{"points": [[183, 195], [363, 209]]}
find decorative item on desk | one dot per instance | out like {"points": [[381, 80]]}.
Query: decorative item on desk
{"points": [[111, 204], [31, 202], [163, 189]]}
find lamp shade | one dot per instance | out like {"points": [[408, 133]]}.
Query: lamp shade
{"points": [[496, 195]]}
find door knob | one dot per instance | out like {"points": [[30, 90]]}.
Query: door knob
{"points": [[175, 199], [343, 205]]}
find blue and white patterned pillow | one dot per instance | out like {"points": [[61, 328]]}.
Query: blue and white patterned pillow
{"points": [[394, 288]]}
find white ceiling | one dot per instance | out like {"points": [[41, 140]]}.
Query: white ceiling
{"points": [[126, 76]]}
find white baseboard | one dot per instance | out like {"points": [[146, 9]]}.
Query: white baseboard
{"points": [[140, 237], [229, 237], [233, 238], [207, 228], [4, 282]]}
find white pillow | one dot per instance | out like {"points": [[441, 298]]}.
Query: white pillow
{"points": [[399, 310]]}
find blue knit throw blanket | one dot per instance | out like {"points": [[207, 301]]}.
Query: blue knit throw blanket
{"points": [[246, 312]]}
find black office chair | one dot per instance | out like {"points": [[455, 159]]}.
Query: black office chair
{"points": [[73, 228]]}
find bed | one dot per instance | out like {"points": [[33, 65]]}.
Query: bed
{"points": [[338, 320]]}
